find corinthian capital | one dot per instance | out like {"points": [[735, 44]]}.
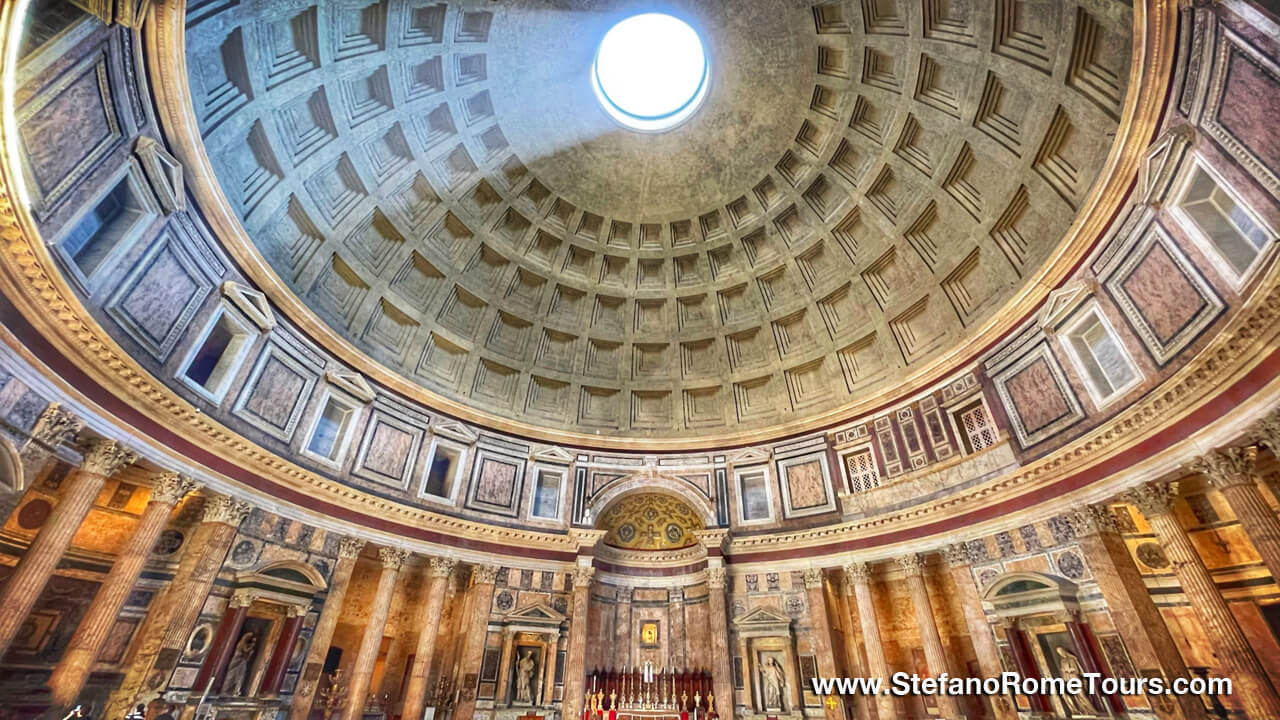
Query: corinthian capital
{"points": [[813, 578], [105, 457], [170, 487], [442, 567], [1228, 466], [485, 574], [582, 576], [350, 547], [912, 565], [957, 554], [857, 573], [225, 510], [55, 426], [1152, 499], [1091, 520], [1267, 432], [392, 558], [715, 578]]}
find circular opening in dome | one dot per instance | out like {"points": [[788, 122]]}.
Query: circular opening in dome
{"points": [[651, 72]]}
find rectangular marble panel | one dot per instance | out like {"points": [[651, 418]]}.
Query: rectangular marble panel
{"points": [[157, 299]]}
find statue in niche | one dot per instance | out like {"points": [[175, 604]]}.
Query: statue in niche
{"points": [[775, 682], [1069, 667], [524, 677], [238, 670]]}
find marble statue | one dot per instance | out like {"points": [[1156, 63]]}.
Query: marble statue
{"points": [[524, 678], [1069, 666], [239, 667], [774, 683]]}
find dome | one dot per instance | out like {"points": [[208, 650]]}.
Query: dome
{"points": [[851, 205]]}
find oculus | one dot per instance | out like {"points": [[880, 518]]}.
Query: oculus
{"points": [[651, 72]]}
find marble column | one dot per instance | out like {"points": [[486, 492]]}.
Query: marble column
{"points": [[502, 698], [479, 600], [860, 575], [913, 566], [820, 633], [367, 656], [416, 693], [854, 665], [980, 632], [173, 615], [622, 627], [55, 427], [676, 639], [37, 564], [1135, 615], [549, 670], [209, 678], [77, 661], [575, 663], [721, 665], [309, 680], [278, 664], [1233, 472], [1020, 647], [1232, 648]]}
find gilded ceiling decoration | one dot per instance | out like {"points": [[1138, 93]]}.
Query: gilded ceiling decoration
{"points": [[649, 521], [860, 188]]}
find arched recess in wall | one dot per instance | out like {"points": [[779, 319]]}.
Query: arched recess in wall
{"points": [[648, 481], [11, 475], [650, 519]]}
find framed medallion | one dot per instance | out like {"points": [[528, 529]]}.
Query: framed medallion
{"points": [[649, 634]]}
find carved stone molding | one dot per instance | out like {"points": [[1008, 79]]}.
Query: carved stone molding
{"points": [[170, 487], [675, 595], [392, 558], [297, 610], [1153, 499], [105, 457], [1227, 467], [226, 510], [623, 593], [243, 598], [349, 547], [442, 567]]}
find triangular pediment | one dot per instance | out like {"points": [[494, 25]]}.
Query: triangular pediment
{"points": [[352, 382], [164, 173], [554, 455], [252, 303], [1161, 162], [538, 614], [749, 456], [761, 617], [1061, 302], [456, 431]]}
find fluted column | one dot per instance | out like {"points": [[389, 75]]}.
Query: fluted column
{"points": [[853, 658], [73, 669], [309, 679], [1232, 471], [934, 655], [549, 670], [622, 637], [675, 617], [209, 678], [860, 575], [35, 568], [362, 670], [174, 613], [502, 698], [273, 677], [1230, 645], [721, 669], [576, 660], [820, 632], [1136, 617], [975, 619], [416, 693], [479, 599]]}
